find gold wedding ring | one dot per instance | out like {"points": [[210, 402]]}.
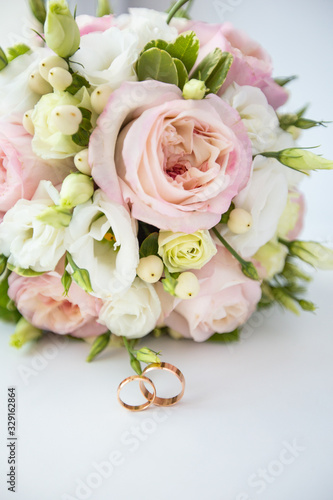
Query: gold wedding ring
{"points": [[150, 396], [163, 401]]}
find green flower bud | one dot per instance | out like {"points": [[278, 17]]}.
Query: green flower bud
{"points": [[300, 159], [194, 89], [76, 189], [135, 364], [146, 355], [62, 34], [38, 9], [306, 305], [313, 253], [3, 263], [56, 217], [100, 343], [272, 257], [181, 251], [103, 8], [24, 332]]}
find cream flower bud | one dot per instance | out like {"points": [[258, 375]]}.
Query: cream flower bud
{"points": [[100, 97], [66, 119], [51, 62], [150, 269], [240, 221], [60, 78], [38, 84], [82, 163], [62, 34], [188, 286], [194, 89], [27, 122], [75, 190]]}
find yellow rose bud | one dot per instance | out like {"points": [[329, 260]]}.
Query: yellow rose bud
{"points": [[61, 32], [181, 251], [75, 190]]}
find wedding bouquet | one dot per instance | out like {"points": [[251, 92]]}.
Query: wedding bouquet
{"points": [[149, 181]]}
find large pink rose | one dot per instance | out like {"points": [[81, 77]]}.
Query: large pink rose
{"points": [[177, 162], [252, 64], [20, 169], [42, 302], [90, 24], [226, 300]]}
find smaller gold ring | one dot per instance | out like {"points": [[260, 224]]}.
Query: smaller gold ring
{"points": [[150, 396], [163, 401]]}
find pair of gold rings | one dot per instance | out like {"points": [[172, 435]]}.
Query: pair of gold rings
{"points": [[151, 397]]}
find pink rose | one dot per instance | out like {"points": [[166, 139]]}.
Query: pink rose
{"points": [[177, 162], [252, 64], [90, 24], [20, 169], [226, 300], [41, 301]]}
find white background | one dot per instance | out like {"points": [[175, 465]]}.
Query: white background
{"points": [[245, 404]]}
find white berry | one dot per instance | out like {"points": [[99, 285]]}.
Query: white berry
{"points": [[49, 63], [81, 162], [66, 119], [60, 78], [188, 286], [100, 97], [150, 269], [27, 122], [38, 84], [240, 221]]}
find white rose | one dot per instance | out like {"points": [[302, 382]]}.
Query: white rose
{"points": [[148, 25], [16, 97], [134, 313], [265, 198], [28, 242], [257, 115], [102, 239], [107, 57]]}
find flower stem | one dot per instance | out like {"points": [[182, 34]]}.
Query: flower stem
{"points": [[175, 9]]}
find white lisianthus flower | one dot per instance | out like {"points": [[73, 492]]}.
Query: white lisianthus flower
{"points": [[148, 25], [257, 115], [16, 97], [107, 57], [48, 141], [134, 313], [102, 239], [181, 251], [28, 242], [265, 198]]}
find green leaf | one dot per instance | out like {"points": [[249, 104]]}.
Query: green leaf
{"points": [[3, 264], [23, 272], [149, 246], [9, 316], [185, 48], [282, 81], [100, 343], [225, 337], [77, 84], [38, 9], [156, 64], [159, 44], [213, 69], [86, 114], [81, 138], [8, 311], [182, 73], [3, 60], [16, 51]]}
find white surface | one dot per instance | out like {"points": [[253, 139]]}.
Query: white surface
{"points": [[244, 404]]}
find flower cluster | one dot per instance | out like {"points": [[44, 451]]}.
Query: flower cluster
{"points": [[148, 180]]}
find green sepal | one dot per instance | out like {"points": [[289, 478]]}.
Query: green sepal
{"points": [[17, 50], [213, 70], [233, 336], [100, 343], [66, 281], [282, 81], [23, 272], [170, 282], [185, 48], [149, 246], [77, 84], [226, 215], [3, 60]]}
